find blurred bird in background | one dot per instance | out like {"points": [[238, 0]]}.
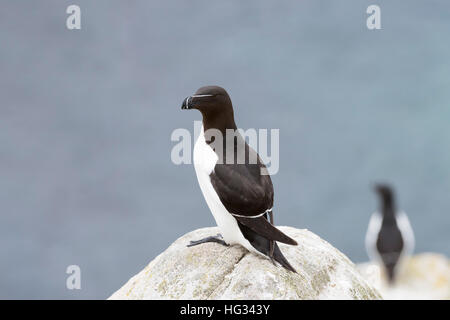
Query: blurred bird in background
{"points": [[389, 237]]}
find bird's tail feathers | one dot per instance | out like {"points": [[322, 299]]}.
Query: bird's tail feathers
{"points": [[281, 259], [264, 228]]}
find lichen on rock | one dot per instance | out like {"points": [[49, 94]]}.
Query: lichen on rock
{"points": [[214, 271]]}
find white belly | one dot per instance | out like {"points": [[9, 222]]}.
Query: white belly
{"points": [[205, 160]]}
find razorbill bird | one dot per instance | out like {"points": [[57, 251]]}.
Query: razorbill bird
{"points": [[238, 193], [389, 236]]}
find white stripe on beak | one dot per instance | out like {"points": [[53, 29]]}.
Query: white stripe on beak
{"points": [[201, 95]]}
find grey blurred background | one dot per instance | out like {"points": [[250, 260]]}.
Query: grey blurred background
{"points": [[86, 118]]}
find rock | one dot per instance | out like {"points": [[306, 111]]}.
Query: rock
{"points": [[423, 276], [213, 271]]}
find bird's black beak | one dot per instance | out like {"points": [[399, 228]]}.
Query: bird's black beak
{"points": [[186, 104]]}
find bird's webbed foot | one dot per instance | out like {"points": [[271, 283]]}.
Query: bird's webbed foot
{"points": [[216, 239]]}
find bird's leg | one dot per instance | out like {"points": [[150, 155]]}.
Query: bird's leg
{"points": [[271, 217], [217, 239], [272, 245], [271, 248]]}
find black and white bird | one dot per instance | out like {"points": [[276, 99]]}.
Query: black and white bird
{"points": [[389, 236], [239, 194]]}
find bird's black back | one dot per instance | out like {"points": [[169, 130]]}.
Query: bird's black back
{"points": [[390, 245]]}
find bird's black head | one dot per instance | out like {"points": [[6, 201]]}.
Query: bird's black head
{"points": [[384, 190], [386, 194], [215, 105]]}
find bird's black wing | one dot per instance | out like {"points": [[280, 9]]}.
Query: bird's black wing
{"points": [[245, 191]]}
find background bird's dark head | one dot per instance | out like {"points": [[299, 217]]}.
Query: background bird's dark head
{"points": [[385, 191], [386, 194]]}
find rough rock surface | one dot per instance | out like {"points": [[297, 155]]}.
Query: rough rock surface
{"points": [[422, 276], [213, 271]]}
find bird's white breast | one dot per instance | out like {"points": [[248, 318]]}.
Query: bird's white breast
{"points": [[406, 231], [205, 160], [372, 235]]}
